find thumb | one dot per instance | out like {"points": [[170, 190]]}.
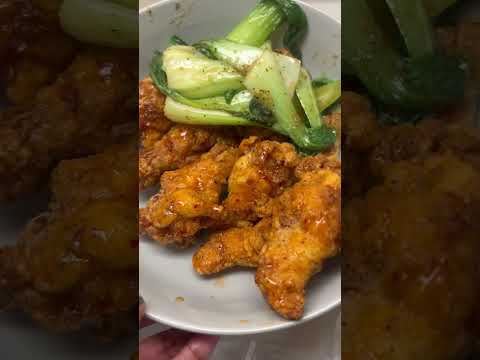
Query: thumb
{"points": [[198, 348], [141, 315]]}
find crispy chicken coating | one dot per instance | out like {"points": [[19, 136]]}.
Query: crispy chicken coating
{"points": [[33, 48], [300, 230], [75, 266], [180, 146], [189, 198], [378, 328], [360, 129], [85, 110], [88, 176], [241, 246], [411, 254], [231, 248], [263, 172], [152, 122], [305, 232], [402, 249]]}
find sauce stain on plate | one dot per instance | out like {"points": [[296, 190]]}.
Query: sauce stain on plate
{"points": [[179, 299], [244, 321], [219, 282]]}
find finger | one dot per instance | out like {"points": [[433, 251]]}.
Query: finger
{"points": [[146, 322], [164, 346], [141, 317], [198, 348], [141, 312]]}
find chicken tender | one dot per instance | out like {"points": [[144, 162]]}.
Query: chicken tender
{"points": [[88, 176], [231, 248], [82, 113], [305, 232], [241, 246], [180, 146], [381, 329], [152, 122], [407, 238], [189, 198], [33, 48], [75, 266], [266, 169], [410, 260], [360, 129]]}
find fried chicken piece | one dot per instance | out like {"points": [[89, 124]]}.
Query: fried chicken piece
{"points": [[407, 141], [360, 130], [75, 266], [318, 162], [33, 47], [402, 249], [85, 111], [88, 176], [264, 171], [378, 328], [242, 246], [152, 122], [180, 146], [305, 231], [231, 248], [400, 142], [189, 198], [463, 40]]}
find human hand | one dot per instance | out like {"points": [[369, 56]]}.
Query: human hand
{"points": [[174, 344]]}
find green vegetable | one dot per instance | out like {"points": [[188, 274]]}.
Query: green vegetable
{"points": [[243, 57], [328, 94], [290, 69], [132, 4], [240, 102], [260, 114], [185, 114], [230, 95], [428, 82], [240, 56], [386, 20], [415, 26], [318, 82], [245, 108], [240, 81], [175, 40], [297, 26], [100, 22], [267, 16], [259, 25], [307, 98], [266, 83], [267, 46], [195, 76], [235, 102], [436, 7]]}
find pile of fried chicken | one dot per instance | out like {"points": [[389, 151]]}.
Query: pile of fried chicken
{"points": [[70, 123], [411, 204], [263, 204]]}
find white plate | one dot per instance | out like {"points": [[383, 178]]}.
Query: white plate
{"points": [[229, 304]]}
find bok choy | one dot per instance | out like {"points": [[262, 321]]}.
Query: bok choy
{"points": [[111, 23], [422, 81], [265, 81], [241, 81], [196, 76]]}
